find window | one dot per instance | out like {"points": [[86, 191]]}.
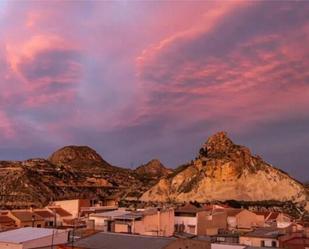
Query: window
{"points": [[191, 229], [262, 243], [38, 225], [274, 244]]}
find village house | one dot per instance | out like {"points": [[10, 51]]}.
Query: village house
{"points": [[279, 219], [243, 219], [190, 219], [276, 219], [60, 214], [295, 238], [47, 215], [104, 221], [73, 206], [261, 237], [26, 218], [153, 222], [215, 221], [6, 222], [84, 207]]}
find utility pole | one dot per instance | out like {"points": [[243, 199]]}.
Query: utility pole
{"points": [[73, 234], [33, 220], [54, 227]]}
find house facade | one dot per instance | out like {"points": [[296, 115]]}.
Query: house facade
{"points": [[243, 219], [261, 237], [6, 223], [190, 219], [73, 206], [60, 214], [26, 218]]}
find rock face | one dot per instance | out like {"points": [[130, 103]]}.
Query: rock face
{"points": [[226, 171], [71, 172], [73, 153], [35, 182], [153, 169]]}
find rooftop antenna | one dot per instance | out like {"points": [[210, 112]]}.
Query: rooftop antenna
{"points": [[54, 227]]}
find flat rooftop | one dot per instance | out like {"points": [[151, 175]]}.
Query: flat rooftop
{"points": [[122, 241], [264, 233], [24, 234], [111, 214]]}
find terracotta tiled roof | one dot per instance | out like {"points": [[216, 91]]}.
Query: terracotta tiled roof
{"points": [[6, 219], [233, 211], [60, 211], [265, 214], [273, 216], [26, 216], [44, 213], [189, 208]]}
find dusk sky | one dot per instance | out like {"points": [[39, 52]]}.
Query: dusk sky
{"points": [[143, 80]]}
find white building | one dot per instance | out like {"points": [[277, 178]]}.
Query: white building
{"points": [[103, 221], [30, 237]]}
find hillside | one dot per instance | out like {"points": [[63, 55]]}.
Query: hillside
{"points": [[71, 172], [226, 171]]}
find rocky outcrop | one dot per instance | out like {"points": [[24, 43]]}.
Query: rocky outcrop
{"points": [[153, 168], [226, 171], [71, 172], [79, 157]]}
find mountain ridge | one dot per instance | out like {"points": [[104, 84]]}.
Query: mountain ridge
{"points": [[222, 171], [80, 172]]}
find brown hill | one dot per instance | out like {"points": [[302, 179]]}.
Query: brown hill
{"points": [[73, 153], [153, 168], [71, 172]]}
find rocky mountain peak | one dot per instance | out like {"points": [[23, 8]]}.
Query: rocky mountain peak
{"points": [[75, 153], [219, 143], [225, 171], [153, 168]]}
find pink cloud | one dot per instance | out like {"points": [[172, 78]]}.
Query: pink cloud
{"points": [[7, 130], [255, 80]]}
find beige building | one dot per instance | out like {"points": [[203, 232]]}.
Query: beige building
{"points": [[47, 215], [26, 218], [190, 219], [150, 222], [105, 221], [60, 214], [73, 206], [6, 223], [243, 219], [261, 237], [213, 221]]}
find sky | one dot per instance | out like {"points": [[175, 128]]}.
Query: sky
{"points": [[137, 80]]}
